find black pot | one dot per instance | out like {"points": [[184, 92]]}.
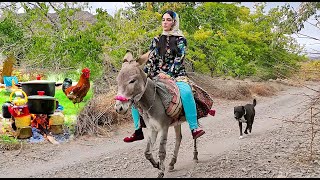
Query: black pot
{"points": [[5, 110], [32, 87], [41, 104]]}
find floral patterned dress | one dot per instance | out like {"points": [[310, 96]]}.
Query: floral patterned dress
{"points": [[171, 64]]}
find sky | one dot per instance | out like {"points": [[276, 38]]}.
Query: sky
{"points": [[111, 7], [311, 45]]}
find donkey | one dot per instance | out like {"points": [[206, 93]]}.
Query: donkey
{"points": [[134, 88]]}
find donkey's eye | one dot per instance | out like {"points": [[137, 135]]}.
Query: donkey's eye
{"points": [[132, 81]]}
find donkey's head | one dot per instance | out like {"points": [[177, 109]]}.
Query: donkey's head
{"points": [[131, 83]]}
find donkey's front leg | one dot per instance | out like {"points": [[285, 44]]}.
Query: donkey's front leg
{"points": [[162, 150], [148, 152], [177, 130]]}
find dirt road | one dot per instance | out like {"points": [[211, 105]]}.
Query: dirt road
{"points": [[268, 152]]}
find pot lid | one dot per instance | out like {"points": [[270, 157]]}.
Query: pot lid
{"points": [[41, 97], [38, 82]]}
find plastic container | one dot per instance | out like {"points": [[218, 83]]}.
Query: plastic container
{"points": [[23, 121]]}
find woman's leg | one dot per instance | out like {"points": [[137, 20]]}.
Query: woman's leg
{"points": [[138, 133], [190, 109], [136, 117], [189, 105]]}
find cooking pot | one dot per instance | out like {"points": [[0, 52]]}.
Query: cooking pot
{"points": [[5, 109], [41, 104], [32, 87]]}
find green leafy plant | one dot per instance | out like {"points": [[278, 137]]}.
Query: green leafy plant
{"points": [[4, 138]]}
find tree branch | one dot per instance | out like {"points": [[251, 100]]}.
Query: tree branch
{"points": [[308, 36], [46, 14], [59, 11], [5, 7], [313, 24]]}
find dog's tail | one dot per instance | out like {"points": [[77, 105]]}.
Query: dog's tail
{"points": [[254, 102]]}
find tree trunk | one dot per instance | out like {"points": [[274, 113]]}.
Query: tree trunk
{"points": [[211, 71], [7, 66]]}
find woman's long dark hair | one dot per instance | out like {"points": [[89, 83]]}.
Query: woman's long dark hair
{"points": [[162, 45]]}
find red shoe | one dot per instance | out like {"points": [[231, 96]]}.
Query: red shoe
{"points": [[212, 112], [134, 137], [197, 133]]}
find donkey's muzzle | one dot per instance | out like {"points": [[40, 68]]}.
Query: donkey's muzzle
{"points": [[121, 107]]}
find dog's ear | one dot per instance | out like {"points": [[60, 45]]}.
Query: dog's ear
{"points": [[243, 109]]}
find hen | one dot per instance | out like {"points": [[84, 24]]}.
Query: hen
{"points": [[79, 91]]}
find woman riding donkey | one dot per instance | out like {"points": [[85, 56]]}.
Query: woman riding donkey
{"points": [[166, 60]]}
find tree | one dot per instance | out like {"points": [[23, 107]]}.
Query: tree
{"points": [[294, 20], [233, 42], [223, 39], [61, 40]]}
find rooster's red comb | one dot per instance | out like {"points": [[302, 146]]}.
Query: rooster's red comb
{"points": [[85, 70]]}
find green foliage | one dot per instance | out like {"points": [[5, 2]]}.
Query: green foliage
{"points": [[134, 33], [233, 42], [6, 139], [224, 39], [11, 36], [4, 96], [10, 30], [58, 42]]}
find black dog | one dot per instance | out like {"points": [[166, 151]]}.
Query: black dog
{"points": [[248, 113]]}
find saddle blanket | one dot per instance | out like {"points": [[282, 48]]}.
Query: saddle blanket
{"points": [[170, 96]]}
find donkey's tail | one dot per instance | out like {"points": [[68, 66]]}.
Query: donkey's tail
{"points": [[254, 102]]}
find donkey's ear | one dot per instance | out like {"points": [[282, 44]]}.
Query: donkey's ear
{"points": [[143, 58], [128, 57]]}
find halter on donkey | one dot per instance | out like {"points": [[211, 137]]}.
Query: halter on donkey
{"points": [[135, 88]]}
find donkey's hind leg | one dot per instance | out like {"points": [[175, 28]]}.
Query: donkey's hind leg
{"points": [[148, 152], [177, 130], [195, 152], [162, 150]]}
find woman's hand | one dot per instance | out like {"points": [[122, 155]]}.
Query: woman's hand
{"points": [[163, 76]]}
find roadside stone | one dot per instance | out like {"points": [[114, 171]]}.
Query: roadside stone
{"points": [[281, 175]]}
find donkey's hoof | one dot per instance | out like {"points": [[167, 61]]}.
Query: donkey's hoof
{"points": [[195, 160], [161, 174], [171, 168], [157, 165]]}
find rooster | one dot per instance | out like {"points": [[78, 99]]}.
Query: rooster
{"points": [[79, 91]]}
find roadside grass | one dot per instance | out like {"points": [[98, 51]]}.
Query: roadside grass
{"points": [[70, 110], [68, 107], [4, 96], [310, 70], [9, 143]]}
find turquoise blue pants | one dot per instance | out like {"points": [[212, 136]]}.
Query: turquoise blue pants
{"points": [[188, 103]]}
